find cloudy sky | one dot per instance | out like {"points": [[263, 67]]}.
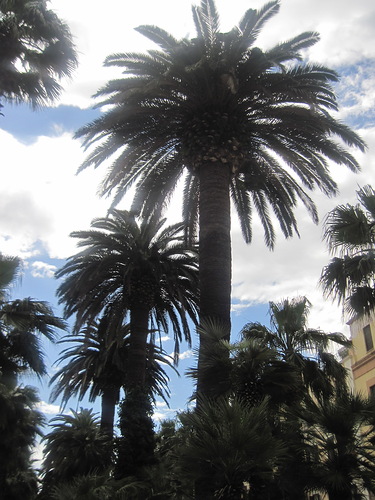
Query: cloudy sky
{"points": [[42, 199]]}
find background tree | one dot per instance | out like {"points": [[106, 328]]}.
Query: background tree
{"points": [[36, 50], [143, 269], [349, 232], [305, 348], [20, 426], [75, 447], [97, 364], [341, 433], [21, 321], [239, 121]]}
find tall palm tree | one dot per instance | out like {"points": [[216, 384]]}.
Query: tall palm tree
{"points": [[97, 362], [349, 231], [21, 323], [36, 51], [305, 348], [241, 122]]}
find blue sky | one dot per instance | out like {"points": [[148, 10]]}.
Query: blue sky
{"points": [[42, 199]]}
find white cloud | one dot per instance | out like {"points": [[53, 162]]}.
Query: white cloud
{"points": [[42, 269], [186, 355], [47, 408], [162, 412], [165, 338]]}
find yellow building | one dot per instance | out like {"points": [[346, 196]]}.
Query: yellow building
{"points": [[361, 357]]}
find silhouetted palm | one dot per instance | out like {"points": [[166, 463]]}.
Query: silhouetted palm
{"points": [[75, 447], [21, 323], [349, 278], [143, 269], [341, 433], [36, 51], [20, 425], [97, 363], [239, 121], [305, 348]]}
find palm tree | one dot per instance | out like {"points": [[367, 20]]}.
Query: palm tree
{"points": [[342, 434], [350, 276], [97, 364], [74, 447], [36, 50], [143, 269], [238, 121], [247, 370], [20, 425], [303, 347], [21, 321], [229, 444]]}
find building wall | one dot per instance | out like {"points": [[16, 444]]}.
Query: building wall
{"points": [[362, 356]]}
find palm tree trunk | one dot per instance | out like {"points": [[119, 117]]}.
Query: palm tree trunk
{"points": [[137, 444], [215, 258], [138, 345], [109, 400]]}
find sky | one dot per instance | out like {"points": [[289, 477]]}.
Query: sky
{"points": [[42, 199]]}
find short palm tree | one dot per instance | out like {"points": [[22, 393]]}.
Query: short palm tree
{"points": [[20, 426], [229, 445], [36, 51], [303, 347], [349, 278], [74, 447], [342, 434], [240, 122], [97, 362]]}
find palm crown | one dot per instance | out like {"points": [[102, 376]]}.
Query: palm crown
{"points": [[126, 264], [21, 323], [349, 232], [216, 98]]}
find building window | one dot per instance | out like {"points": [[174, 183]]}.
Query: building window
{"points": [[372, 391], [368, 338]]}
